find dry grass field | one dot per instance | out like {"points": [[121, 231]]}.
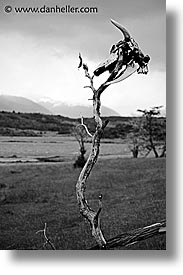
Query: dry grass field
{"points": [[14, 149], [134, 193]]}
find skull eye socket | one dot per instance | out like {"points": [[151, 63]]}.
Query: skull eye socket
{"points": [[146, 58]]}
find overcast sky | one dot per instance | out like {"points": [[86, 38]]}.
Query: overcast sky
{"points": [[39, 52]]}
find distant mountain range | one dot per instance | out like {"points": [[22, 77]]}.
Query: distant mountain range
{"points": [[75, 111], [21, 104]]}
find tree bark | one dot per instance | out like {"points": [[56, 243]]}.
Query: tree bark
{"points": [[86, 211], [134, 236]]}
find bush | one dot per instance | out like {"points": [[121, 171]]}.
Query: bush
{"points": [[80, 162]]}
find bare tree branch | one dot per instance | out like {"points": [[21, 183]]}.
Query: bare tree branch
{"points": [[134, 236], [46, 238], [117, 67], [91, 215], [85, 127]]}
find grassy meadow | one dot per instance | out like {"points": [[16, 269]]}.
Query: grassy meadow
{"points": [[134, 193], [66, 148]]}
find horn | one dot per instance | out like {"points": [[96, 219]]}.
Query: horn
{"points": [[122, 29]]}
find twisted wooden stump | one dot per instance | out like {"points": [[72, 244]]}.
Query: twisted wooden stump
{"points": [[88, 213], [92, 216]]}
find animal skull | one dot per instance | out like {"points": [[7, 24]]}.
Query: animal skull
{"points": [[125, 57]]}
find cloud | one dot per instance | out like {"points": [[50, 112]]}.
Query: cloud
{"points": [[39, 53], [93, 34], [138, 91]]}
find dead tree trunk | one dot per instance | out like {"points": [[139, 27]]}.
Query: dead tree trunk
{"points": [[135, 151], [151, 138], [91, 215], [163, 153], [119, 69], [81, 160], [135, 236], [88, 213]]}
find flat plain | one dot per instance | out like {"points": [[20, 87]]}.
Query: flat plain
{"points": [[32, 194]]}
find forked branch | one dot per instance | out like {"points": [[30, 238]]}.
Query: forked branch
{"points": [[125, 57], [91, 215], [47, 240]]}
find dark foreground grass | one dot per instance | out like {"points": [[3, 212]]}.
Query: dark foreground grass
{"points": [[134, 192]]}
